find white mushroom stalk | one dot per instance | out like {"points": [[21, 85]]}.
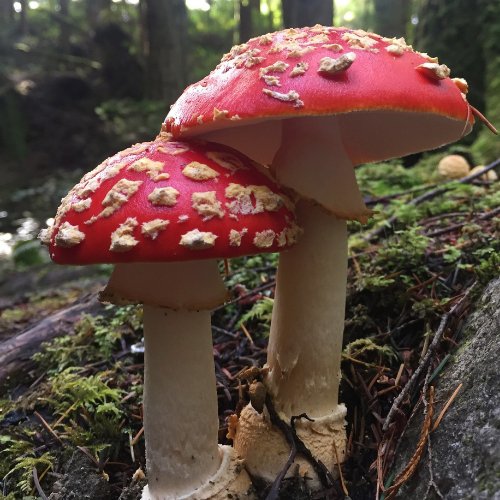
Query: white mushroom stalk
{"points": [[305, 343], [180, 402], [180, 398]]}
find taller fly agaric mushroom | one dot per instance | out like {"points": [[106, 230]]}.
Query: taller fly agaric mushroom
{"points": [[163, 212], [313, 103]]}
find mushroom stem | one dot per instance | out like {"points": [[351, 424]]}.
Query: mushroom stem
{"points": [[183, 458], [305, 343], [180, 401]]}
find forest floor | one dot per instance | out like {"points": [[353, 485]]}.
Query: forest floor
{"points": [[70, 409]]}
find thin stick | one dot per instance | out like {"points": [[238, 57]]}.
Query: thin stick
{"points": [[137, 436], [445, 407], [37, 484], [247, 334], [291, 436], [131, 447], [433, 346], [373, 201], [266, 286], [443, 188], [48, 428], [341, 476], [410, 468], [65, 414], [453, 227], [483, 118], [400, 373]]}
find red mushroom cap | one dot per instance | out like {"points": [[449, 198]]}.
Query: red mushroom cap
{"points": [[324, 71], [171, 201]]}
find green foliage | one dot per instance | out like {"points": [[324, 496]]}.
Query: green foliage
{"points": [[95, 337], [487, 262], [361, 347], [261, 312], [404, 251], [29, 253], [452, 254], [251, 271], [132, 121], [383, 179], [70, 388], [17, 461]]}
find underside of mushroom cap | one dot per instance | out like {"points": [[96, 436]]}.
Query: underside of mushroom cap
{"points": [[382, 90], [167, 201]]}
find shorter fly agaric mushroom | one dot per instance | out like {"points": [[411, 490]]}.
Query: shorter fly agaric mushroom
{"points": [[163, 212], [313, 103]]}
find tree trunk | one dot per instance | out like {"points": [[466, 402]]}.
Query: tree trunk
{"points": [[6, 13], [451, 29], [248, 11], [166, 22], [23, 18], [64, 27], [391, 17], [487, 146], [298, 13], [94, 11]]}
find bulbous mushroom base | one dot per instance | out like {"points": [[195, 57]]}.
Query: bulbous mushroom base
{"points": [[265, 449], [230, 481]]}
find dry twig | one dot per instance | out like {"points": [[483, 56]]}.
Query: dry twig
{"points": [[412, 464], [425, 361], [443, 188]]}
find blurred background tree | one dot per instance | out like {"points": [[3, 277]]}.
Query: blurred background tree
{"points": [[80, 79]]}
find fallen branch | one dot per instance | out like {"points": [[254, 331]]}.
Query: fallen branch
{"points": [[370, 201], [412, 464], [482, 217], [17, 350], [388, 226]]}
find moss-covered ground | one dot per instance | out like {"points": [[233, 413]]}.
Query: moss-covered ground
{"points": [[79, 398]]}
